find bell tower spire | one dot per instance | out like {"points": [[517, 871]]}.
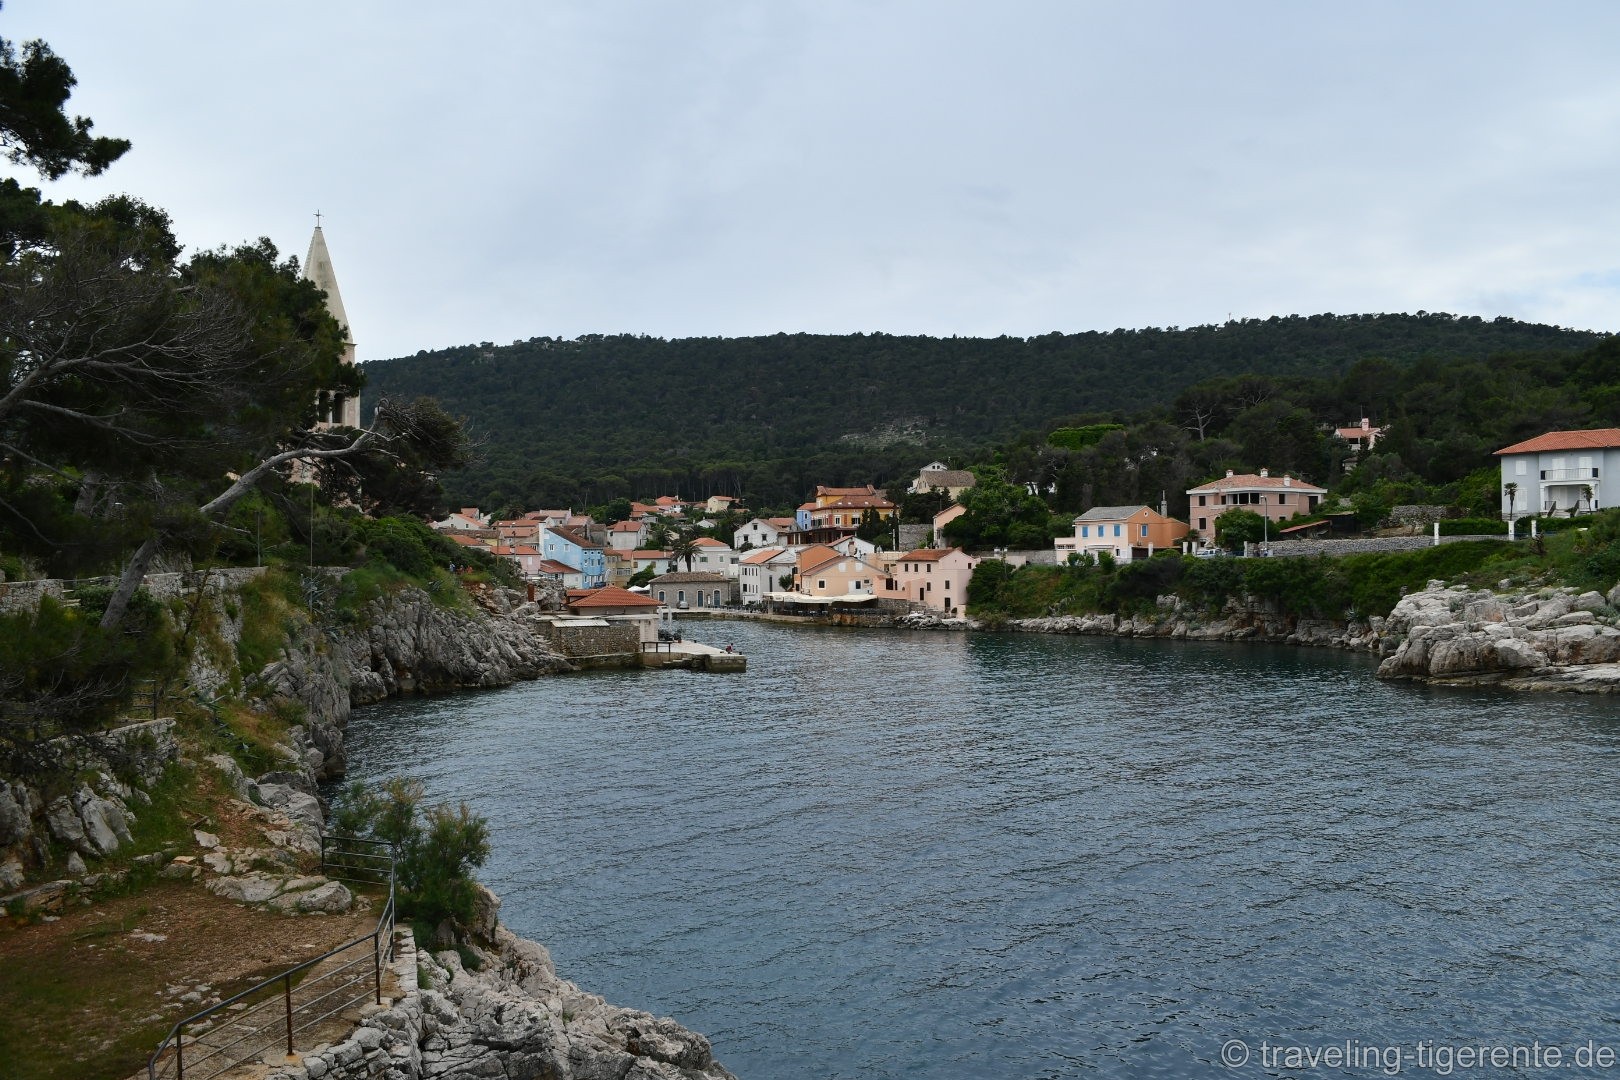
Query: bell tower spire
{"points": [[341, 409]]}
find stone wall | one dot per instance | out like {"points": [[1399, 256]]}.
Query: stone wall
{"points": [[1291, 548], [592, 639]]}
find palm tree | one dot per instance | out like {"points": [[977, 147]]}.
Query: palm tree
{"points": [[1512, 489], [683, 547]]}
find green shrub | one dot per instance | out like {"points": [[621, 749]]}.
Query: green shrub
{"points": [[436, 848], [1476, 527]]}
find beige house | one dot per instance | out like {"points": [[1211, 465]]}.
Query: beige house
{"points": [[937, 474], [1124, 532], [944, 518], [825, 571]]}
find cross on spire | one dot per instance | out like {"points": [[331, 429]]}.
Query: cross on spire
{"points": [[317, 219]]}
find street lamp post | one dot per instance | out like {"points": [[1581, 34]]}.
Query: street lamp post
{"points": [[1265, 527]]}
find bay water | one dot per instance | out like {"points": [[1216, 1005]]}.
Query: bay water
{"points": [[884, 854]]}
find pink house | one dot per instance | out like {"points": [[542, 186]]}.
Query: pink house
{"points": [[1275, 498], [937, 578]]}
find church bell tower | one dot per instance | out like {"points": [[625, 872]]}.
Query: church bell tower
{"points": [[334, 409]]}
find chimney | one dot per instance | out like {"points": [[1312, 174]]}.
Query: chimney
{"points": [[1229, 474], [1288, 481], [1264, 473], [1365, 423], [1164, 505]]}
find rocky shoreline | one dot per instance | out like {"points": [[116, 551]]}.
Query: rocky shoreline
{"points": [[513, 1016], [1550, 639]]}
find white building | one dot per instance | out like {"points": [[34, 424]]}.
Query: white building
{"points": [[1561, 472]]}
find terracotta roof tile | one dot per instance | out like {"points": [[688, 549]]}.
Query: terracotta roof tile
{"points": [[1595, 439], [610, 596], [1250, 481]]}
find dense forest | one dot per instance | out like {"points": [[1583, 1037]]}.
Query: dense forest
{"points": [[585, 421]]}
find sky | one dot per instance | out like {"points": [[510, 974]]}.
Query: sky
{"points": [[494, 171]]}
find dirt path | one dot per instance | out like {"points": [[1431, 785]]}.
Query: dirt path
{"points": [[91, 994]]}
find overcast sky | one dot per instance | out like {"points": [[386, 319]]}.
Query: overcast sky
{"points": [[490, 171]]}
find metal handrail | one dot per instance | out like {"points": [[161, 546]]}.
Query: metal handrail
{"points": [[382, 950]]}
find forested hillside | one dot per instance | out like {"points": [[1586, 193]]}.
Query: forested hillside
{"points": [[584, 421]]}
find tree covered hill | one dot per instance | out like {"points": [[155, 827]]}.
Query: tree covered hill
{"points": [[599, 417]]}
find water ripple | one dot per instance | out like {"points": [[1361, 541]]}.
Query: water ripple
{"points": [[891, 854]]}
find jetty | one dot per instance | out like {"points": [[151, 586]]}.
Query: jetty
{"points": [[692, 655]]}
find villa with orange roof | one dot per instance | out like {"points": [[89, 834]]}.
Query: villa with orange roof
{"points": [[1275, 498], [1561, 472]]}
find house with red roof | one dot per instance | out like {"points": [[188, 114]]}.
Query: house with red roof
{"points": [[824, 571], [627, 535], [714, 557], [1561, 472], [526, 557], [1275, 498], [609, 600]]}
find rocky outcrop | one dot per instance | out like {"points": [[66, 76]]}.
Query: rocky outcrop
{"points": [[403, 643], [408, 644], [1238, 621], [1551, 639], [513, 1017], [90, 806]]}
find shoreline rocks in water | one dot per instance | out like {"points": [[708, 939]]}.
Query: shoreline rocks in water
{"points": [[512, 1016], [1547, 639], [1552, 639]]}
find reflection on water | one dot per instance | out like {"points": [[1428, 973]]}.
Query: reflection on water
{"points": [[884, 854]]}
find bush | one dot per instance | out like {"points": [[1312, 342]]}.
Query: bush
{"points": [[436, 849]]}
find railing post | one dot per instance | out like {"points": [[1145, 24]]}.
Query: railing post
{"points": [[376, 959], [286, 988], [179, 1052]]}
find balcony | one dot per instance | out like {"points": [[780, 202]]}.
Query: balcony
{"points": [[1575, 476]]}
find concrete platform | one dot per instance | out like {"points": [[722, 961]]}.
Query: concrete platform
{"points": [[692, 655]]}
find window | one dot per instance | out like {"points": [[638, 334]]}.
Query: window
{"points": [[1116, 530], [1521, 467], [1085, 530], [822, 584], [1202, 501], [1143, 533], [1203, 524], [680, 596]]}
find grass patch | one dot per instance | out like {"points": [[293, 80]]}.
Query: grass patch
{"points": [[272, 609]]}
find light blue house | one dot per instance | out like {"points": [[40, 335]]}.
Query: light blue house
{"points": [[1561, 472], [572, 547]]}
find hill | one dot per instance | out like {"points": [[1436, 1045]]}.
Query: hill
{"points": [[588, 420]]}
